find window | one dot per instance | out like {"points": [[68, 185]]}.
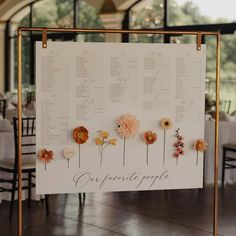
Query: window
{"points": [[194, 12], [147, 15], [47, 13]]}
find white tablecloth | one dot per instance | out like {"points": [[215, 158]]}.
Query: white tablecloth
{"points": [[227, 134]]}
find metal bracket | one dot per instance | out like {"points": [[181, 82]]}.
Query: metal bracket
{"points": [[44, 38], [199, 41]]}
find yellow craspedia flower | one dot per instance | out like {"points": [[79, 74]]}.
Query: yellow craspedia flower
{"points": [[103, 134], [113, 141], [98, 141]]}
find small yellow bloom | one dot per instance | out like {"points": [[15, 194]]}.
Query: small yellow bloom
{"points": [[98, 141], [103, 134], [113, 141]]}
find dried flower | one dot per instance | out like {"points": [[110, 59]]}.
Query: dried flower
{"points": [[166, 123], [98, 141], [103, 134], [68, 153], [113, 141], [102, 141], [149, 137], [176, 154], [45, 155], [200, 145], [80, 135], [179, 145], [127, 125]]}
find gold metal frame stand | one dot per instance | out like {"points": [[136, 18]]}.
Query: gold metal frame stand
{"points": [[74, 30]]}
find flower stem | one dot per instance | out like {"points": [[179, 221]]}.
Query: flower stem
{"points": [[124, 153], [79, 155], [101, 154], [197, 159], [164, 151], [177, 161], [45, 166], [147, 154], [68, 163]]}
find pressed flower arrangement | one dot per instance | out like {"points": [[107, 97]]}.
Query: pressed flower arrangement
{"points": [[179, 146], [68, 153], [80, 135], [45, 156], [165, 124], [149, 137], [127, 127], [102, 141], [200, 146]]}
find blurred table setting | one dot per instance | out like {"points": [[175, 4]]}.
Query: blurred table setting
{"points": [[28, 101], [227, 134]]}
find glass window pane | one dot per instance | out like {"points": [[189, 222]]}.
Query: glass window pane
{"points": [[53, 13], [192, 12], [88, 18], [147, 14], [227, 69], [21, 19]]}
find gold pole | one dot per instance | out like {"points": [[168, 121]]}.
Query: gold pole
{"points": [[19, 133], [118, 31], [61, 30], [216, 160]]}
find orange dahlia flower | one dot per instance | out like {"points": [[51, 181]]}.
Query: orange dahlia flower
{"points": [[80, 135]]}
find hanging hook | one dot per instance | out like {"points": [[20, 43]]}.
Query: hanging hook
{"points": [[44, 38], [199, 41]]}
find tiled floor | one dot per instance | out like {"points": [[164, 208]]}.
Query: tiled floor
{"points": [[148, 213]]}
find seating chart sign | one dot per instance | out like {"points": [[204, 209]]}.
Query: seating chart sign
{"points": [[119, 117]]}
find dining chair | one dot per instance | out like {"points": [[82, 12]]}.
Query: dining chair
{"points": [[28, 163], [228, 159], [30, 96], [3, 106]]}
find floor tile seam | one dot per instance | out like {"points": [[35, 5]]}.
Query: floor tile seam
{"points": [[83, 222], [163, 218]]}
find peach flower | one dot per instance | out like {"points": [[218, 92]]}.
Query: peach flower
{"points": [[127, 125]]}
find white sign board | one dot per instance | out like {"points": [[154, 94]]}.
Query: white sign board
{"points": [[113, 93]]}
